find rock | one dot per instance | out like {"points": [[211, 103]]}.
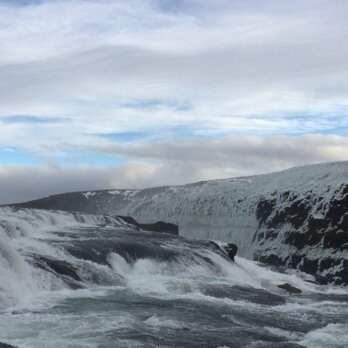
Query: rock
{"points": [[271, 259], [61, 267], [159, 226], [5, 345], [306, 224], [264, 209], [290, 288], [231, 249], [309, 266], [320, 280]]}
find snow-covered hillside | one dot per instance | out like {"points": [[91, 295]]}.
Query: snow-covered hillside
{"points": [[297, 217]]}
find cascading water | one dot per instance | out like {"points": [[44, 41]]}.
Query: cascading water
{"points": [[79, 280]]}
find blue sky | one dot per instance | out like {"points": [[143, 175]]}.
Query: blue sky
{"points": [[142, 92]]}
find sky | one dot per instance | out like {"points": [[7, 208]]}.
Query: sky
{"points": [[140, 93]]}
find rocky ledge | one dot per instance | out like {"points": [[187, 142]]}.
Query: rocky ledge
{"points": [[307, 233]]}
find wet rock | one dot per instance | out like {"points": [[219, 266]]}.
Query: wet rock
{"points": [[272, 259], [309, 266], [231, 250], [305, 223], [344, 222], [61, 267], [295, 213], [320, 279], [264, 209], [327, 263], [159, 226], [294, 260], [335, 239], [271, 234], [289, 288], [339, 276], [6, 345], [296, 239], [316, 224], [338, 208]]}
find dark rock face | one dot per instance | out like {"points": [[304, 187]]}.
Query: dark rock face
{"points": [[5, 345], [62, 269], [320, 280], [264, 209], [231, 250], [271, 259], [228, 251], [159, 226], [313, 231], [289, 288]]}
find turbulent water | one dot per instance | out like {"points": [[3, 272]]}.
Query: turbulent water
{"points": [[74, 280]]}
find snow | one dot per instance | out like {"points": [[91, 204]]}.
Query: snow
{"points": [[125, 193], [89, 194], [226, 209], [114, 192]]}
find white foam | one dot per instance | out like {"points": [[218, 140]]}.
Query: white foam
{"points": [[61, 330], [290, 335], [16, 281], [330, 336], [26, 230], [184, 277], [158, 322]]}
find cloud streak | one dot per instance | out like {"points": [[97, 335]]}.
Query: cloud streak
{"points": [[228, 62], [172, 163], [199, 88]]}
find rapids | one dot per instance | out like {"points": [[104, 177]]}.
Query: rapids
{"points": [[79, 280]]}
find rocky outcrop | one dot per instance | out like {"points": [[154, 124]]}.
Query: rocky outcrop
{"points": [[159, 226], [289, 288], [62, 269], [5, 345], [313, 234]]}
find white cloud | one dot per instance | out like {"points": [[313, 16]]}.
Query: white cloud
{"points": [[242, 67], [173, 163], [239, 154], [254, 72]]}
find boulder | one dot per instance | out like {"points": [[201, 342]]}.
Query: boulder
{"points": [[231, 250], [5, 345], [159, 226], [289, 288]]}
